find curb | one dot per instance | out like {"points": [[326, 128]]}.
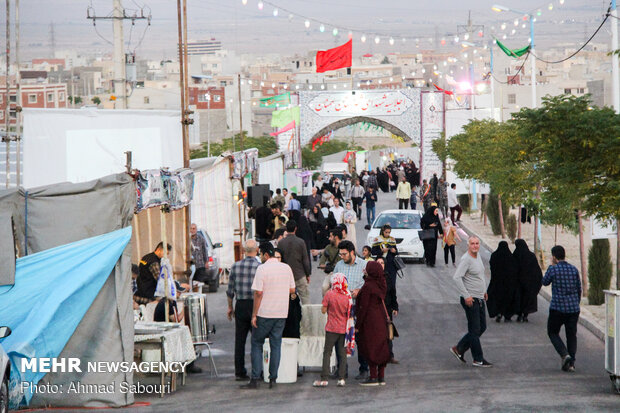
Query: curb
{"points": [[586, 319]]}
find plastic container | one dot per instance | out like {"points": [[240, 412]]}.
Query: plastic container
{"points": [[287, 372]]}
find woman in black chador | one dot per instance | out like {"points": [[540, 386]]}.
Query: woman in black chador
{"points": [[503, 291], [383, 180], [530, 279], [430, 220]]}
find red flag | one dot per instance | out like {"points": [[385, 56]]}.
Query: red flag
{"points": [[447, 92], [335, 58]]}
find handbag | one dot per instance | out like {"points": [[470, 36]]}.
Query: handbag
{"points": [[426, 234], [392, 331], [399, 263]]}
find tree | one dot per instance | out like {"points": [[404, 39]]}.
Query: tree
{"points": [[440, 147], [385, 61], [96, 100], [599, 271], [314, 159], [266, 146], [75, 99]]}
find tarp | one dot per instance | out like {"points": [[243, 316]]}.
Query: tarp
{"points": [[68, 145], [61, 214], [271, 171], [281, 118], [43, 312], [513, 52], [214, 208]]}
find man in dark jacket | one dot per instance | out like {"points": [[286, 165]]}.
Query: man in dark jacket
{"points": [[294, 254], [148, 273]]}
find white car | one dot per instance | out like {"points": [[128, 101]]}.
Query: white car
{"points": [[405, 225], [5, 371]]}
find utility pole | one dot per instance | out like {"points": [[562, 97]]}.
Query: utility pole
{"points": [[52, 40], [18, 100], [118, 16], [7, 101], [240, 111], [615, 80]]}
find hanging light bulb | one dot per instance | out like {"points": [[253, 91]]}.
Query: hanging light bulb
{"points": [[550, 6], [513, 31], [296, 87], [466, 36], [307, 24], [350, 35], [434, 67], [275, 12], [523, 26], [335, 86], [285, 87], [504, 37], [363, 38], [273, 85], [539, 12], [321, 28], [516, 22], [290, 17], [244, 2], [260, 5], [503, 26], [423, 70], [391, 79], [335, 32], [322, 86], [465, 55], [391, 41], [310, 87], [377, 40], [404, 40], [480, 33], [456, 39], [262, 84], [249, 82], [561, 2], [443, 42]]}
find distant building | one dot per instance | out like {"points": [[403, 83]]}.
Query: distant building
{"points": [[41, 96], [200, 47]]}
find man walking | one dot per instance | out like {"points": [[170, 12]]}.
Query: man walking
{"points": [[442, 196], [453, 204], [370, 197], [330, 255], [353, 268], [564, 308], [295, 254], [357, 194], [272, 286], [240, 286], [199, 254], [472, 286], [403, 193]]}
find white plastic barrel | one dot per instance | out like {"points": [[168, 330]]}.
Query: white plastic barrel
{"points": [[287, 372]]}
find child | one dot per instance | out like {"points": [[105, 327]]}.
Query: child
{"points": [[337, 304], [366, 253]]}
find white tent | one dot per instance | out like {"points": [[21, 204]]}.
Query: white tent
{"points": [[213, 207], [69, 145], [271, 171]]}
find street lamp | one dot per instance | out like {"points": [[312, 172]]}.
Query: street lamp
{"points": [[530, 16]]}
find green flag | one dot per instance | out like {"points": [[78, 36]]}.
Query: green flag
{"points": [[276, 101], [281, 118], [513, 53]]}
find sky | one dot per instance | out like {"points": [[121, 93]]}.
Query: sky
{"points": [[246, 29]]}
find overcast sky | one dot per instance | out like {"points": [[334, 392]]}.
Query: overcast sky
{"points": [[247, 29]]}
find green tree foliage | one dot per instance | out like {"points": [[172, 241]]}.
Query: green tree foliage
{"points": [[492, 209], [266, 146], [77, 100], [599, 271], [313, 160], [440, 147], [464, 201], [511, 227]]}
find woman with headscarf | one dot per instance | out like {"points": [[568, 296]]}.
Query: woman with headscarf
{"points": [[430, 220], [318, 225], [371, 324], [385, 246], [530, 279], [503, 291], [382, 180], [391, 302], [303, 228], [350, 218]]}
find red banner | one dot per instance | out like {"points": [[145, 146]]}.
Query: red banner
{"points": [[335, 58]]}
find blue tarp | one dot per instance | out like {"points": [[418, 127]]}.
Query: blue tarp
{"points": [[52, 292]]}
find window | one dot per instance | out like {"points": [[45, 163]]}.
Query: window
{"points": [[13, 98], [146, 100], [567, 91], [214, 66], [12, 114], [61, 96], [1, 114], [203, 97], [1, 98], [32, 98], [512, 98], [222, 83], [50, 97], [217, 98], [581, 90]]}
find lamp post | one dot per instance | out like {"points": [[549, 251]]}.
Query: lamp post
{"points": [[614, 58], [530, 16]]}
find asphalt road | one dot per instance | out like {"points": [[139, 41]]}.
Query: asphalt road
{"points": [[526, 375]]}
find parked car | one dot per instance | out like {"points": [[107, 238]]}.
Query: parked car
{"points": [[5, 372], [214, 271], [405, 225]]}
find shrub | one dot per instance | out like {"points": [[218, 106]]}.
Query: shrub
{"points": [[492, 209], [464, 200], [599, 271], [511, 227]]}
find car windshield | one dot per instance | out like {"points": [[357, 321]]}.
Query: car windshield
{"points": [[399, 221]]}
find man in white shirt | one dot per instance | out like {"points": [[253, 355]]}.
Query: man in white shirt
{"points": [[357, 194], [453, 204], [273, 284], [337, 210]]}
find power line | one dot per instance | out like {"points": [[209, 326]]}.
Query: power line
{"points": [[607, 15], [509, 81]]}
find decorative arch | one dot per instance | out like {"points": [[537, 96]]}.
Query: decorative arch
{"points": [[341, 123]]}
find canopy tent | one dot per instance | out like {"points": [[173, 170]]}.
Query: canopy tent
{"points": [[55, 215], [271, 171], [214, 208]]}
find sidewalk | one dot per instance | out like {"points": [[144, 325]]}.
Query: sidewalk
{"points": [[592, 317]]}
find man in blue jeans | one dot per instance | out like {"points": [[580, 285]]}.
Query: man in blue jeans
{"points": [[370, 197], [564, 307], [472, 286], [273, 284]]}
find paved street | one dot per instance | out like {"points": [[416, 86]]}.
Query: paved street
{"points": [[526, 375]]}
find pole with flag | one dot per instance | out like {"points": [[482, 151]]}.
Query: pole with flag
{"points": [[337, 58]]}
